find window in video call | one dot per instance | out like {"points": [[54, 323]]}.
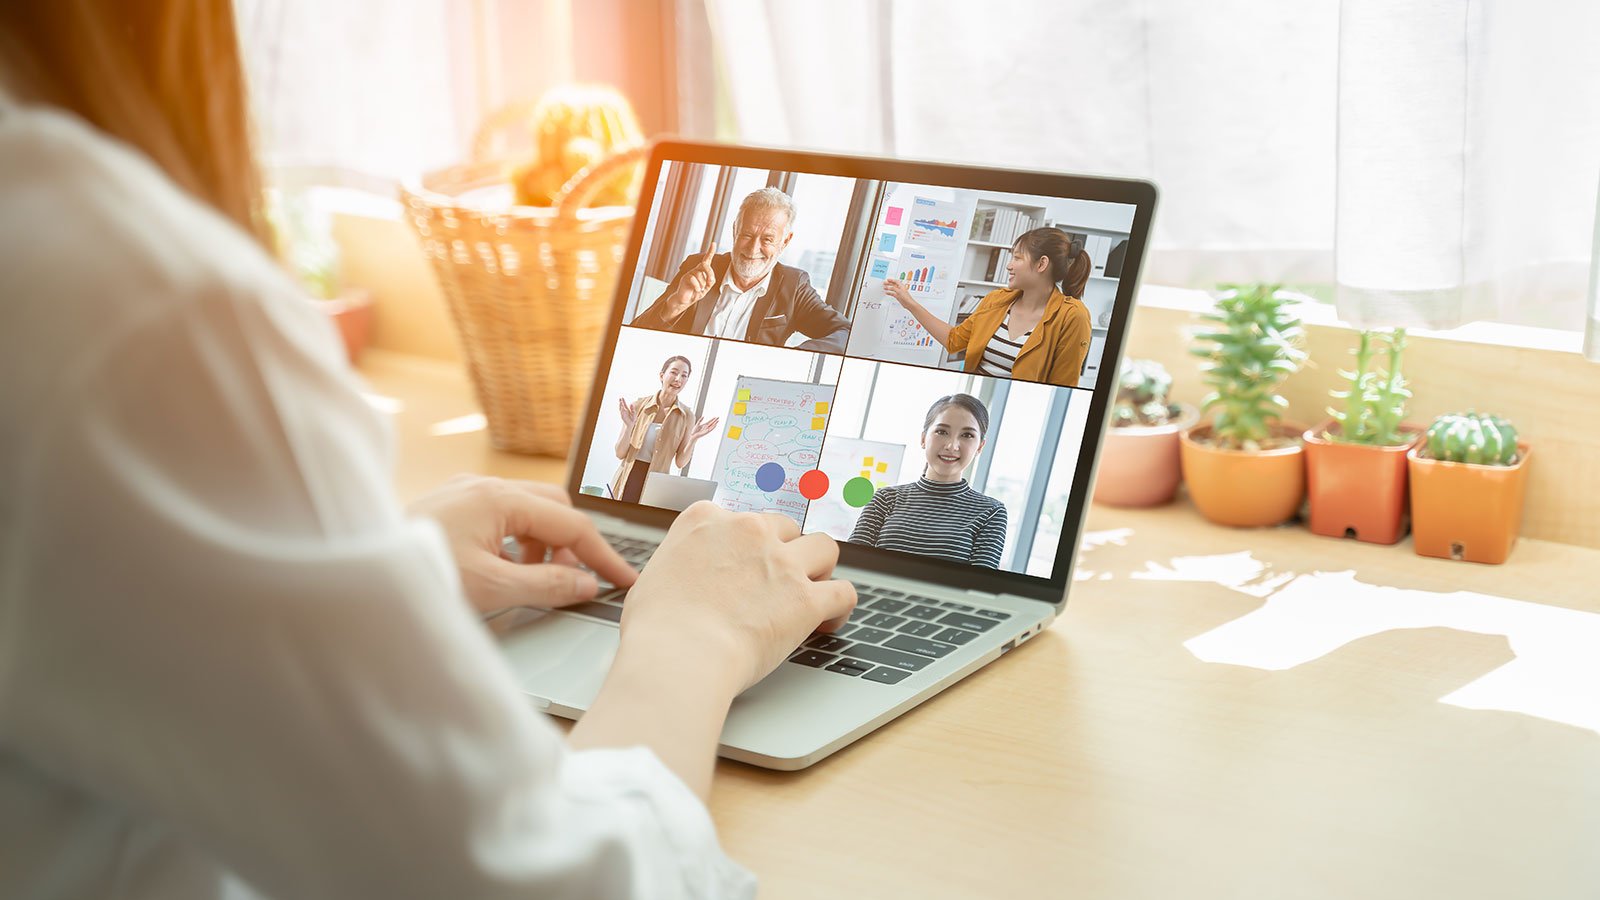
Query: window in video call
{"points": [[903, 366]]}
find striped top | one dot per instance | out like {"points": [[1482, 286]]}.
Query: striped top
{"points": [[947, 520], [1000, 354]]}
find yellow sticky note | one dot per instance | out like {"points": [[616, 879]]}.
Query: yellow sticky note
{"points": [[819, 423], [866, 462], [738, 409], [883, 467], [822, 407], [865, 473], [743, 394], [734, 431]]}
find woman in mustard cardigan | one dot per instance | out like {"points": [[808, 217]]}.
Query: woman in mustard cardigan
{"points": [[1029, 329]]}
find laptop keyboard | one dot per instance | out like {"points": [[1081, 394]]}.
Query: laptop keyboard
{"points": [[890, 635]]}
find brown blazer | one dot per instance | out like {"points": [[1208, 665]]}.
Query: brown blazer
{"points": [[1054, 353], [790, 304]]}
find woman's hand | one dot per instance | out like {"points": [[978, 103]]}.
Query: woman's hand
{"points": [[935, 326], [897, 289], [477, 513], [724, 600], [745, 588], [625, 410], [704, 427]]}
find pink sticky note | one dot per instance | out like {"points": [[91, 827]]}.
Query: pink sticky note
{"points": [[893, 216]]}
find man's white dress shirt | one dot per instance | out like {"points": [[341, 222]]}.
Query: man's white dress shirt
{"points": [[732, 316]]}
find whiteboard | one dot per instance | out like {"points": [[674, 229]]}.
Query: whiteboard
{"points": [[843, 459], [770, 422], [919, 239]]}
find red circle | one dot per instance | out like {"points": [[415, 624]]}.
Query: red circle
{"points": [[813, 484]]}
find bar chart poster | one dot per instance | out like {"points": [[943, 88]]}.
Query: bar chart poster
{"points": [[926, 274], [919, 281]]}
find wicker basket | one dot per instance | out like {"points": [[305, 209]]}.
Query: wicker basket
{"points": [[530, 291]]}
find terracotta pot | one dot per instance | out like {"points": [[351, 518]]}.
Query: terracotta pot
{"points": [[351, 313], [1465, 510], [1356, 490], [1139, 464], [1244, 488]]}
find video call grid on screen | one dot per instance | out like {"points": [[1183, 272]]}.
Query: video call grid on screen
{"points": [[803, 387]]}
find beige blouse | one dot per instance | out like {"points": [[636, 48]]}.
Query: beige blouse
{"points": [[676, 424]]}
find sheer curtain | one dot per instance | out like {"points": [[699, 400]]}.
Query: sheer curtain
{"points": [[1435, 162], [358, 87]]}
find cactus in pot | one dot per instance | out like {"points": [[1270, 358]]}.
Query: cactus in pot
{"points": [[1142, 389], [1469, 476], [1140, 464], [1374, 401], [1252, 345], [1356, 460], [1472, 438], [1244, 468]]}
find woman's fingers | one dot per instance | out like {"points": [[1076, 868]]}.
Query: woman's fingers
{"points": [[835, 599], [781, 525], [817, 553], [544, 586], [556, 525]]}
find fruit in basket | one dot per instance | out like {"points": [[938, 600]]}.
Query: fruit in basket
{"points": [[574, 127]]}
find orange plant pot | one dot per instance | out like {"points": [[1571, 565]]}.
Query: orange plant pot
{"points": [[1465, 510], [351, 313], [1356, 490], [1139, 464], [1244, 488]]}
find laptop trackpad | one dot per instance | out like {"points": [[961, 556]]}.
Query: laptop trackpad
{"points": [[561, 657]]}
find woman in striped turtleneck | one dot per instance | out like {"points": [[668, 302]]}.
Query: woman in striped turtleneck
{"points": [[940, 514]]}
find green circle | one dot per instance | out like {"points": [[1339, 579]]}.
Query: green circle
{"points": [[858, 491]]}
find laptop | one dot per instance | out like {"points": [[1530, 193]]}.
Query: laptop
{"points": [[827, 397], [677, 492]]}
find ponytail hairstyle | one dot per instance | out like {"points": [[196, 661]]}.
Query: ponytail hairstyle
{"points": [[967, 402], [672, 359], [1069, 262]]}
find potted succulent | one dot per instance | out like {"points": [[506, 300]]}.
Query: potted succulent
{"points": [[1244, 467], [306, 246], [1356, 460], [1139, 464], [1469, 475]]}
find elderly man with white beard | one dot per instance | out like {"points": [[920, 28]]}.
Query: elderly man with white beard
{"points": [[748, 295]]}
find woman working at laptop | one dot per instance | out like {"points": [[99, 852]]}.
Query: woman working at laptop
{"points": [[231, 663], [658, 431], [1030, 329], [940, 514]]}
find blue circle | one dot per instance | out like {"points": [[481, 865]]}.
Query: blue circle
{"points": [[770, 477]]}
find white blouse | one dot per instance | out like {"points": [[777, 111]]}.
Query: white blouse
{"points": [[230, 666]]}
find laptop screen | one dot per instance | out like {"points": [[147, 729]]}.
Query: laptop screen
{"points": [[909, 364]]}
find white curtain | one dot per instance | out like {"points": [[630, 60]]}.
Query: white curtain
{"points": [[358, 86], [1436, 161]]}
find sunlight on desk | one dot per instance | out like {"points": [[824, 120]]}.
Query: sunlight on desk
{"points": [[459, 425], [1555, 674], [389, 406]]}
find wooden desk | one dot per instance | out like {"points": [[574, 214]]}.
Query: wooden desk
{"points": [[1104, 759]]}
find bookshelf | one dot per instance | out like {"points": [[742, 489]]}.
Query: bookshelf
{"points": [[996, 224]]}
